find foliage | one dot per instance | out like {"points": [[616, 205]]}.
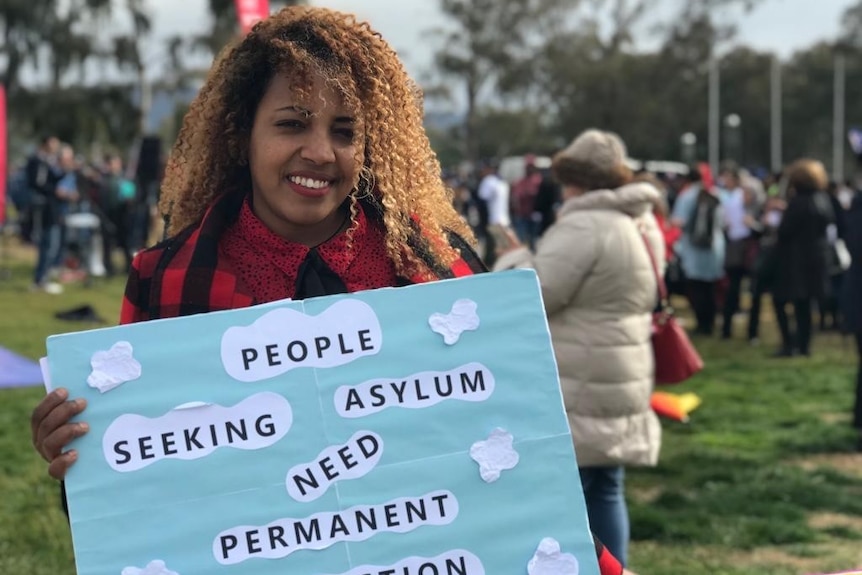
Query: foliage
{"points": [[484, 41], [586, 71]]}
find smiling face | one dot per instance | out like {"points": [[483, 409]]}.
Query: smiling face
{"points": [[302, 157]]}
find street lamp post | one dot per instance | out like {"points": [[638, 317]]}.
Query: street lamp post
{"points": [[688, 143], [775, 109], [838, 117], [733, 137], [714, 114]]}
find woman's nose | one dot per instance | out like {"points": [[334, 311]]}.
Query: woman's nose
{"points": [[317, 147]]}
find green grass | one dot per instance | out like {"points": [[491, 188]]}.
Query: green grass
{"points": [[34, 534], [763, 479]]}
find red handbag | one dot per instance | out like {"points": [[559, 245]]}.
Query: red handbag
{"points": [[676, 359]]}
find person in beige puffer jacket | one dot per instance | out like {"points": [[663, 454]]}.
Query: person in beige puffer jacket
{"points": [[599, 291]]}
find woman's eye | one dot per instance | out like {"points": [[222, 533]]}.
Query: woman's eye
{"points": [[344, 133], [292, 124]]}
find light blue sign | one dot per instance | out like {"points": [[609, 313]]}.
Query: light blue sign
{"points": [[408, 431]]}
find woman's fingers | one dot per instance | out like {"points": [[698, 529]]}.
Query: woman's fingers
{"points": [[53, 444], [61, 464], [54, 426], [46, 406]]}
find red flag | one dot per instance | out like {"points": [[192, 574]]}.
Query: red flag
{"points": [[4, 172], [250, 12]]}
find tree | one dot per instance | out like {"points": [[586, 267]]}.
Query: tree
{"points": [[62, 37], [594, 76], [484, 40]]}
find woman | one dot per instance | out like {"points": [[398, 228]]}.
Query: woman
{"points": [[291, 177], [802, 250], [698, 213], [599, 288], [853, 299]]}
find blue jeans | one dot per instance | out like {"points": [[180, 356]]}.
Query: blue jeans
{"points": [[526, 230], [50, 249], [606, 506]]}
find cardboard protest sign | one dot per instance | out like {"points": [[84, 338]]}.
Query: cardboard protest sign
{"points": [[408, 431]]}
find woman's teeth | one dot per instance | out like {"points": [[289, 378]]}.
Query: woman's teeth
{"points": [[309, 183]]}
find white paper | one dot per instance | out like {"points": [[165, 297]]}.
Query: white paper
{"points": [[470, 382], [113, 367], [282, 537], [46, 374], [549, 560], [285, 339], [454, 561], [352, 460], [156, 567], [494, 455], [133, 442], [192, 405], [462, 318]]}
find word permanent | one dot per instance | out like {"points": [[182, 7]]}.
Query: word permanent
{"points": [[470, 382], [321, 530]]}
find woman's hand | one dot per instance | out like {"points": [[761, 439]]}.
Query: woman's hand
{"points": [[51, 430]]}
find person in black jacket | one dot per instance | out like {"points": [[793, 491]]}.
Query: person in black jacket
{"points": [[43, 174], [802, 253], [852, 297]]}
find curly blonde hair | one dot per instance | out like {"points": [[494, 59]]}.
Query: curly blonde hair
{"points": [[400, 175], [807, 176]]}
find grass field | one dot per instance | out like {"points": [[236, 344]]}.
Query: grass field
{"points": [[763, 479]]}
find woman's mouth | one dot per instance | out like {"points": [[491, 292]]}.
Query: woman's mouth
{"points": [[309, 186]]}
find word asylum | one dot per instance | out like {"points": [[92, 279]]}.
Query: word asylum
{"points": [[470, 382]]}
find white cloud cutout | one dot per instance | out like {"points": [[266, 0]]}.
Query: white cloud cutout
{"points": [[549, 560], [494, 455], [462, 318], [113, 367], [285, 339], [156, 567]]}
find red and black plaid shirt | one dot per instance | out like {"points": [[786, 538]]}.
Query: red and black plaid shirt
{"points": [[189, 274]]}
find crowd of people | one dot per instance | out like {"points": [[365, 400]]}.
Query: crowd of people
{"points": [[794, 235], [292, 177], [78, 214]]}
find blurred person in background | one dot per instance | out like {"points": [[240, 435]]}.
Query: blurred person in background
{"points": [[42, 175], [765, 262], [829, 307], [50, 201], [599, 289], [494, 191], [116, 197], [737, 225], [852, 299], [524, 192], [697, 212], [803, 253], [548, 199]]}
